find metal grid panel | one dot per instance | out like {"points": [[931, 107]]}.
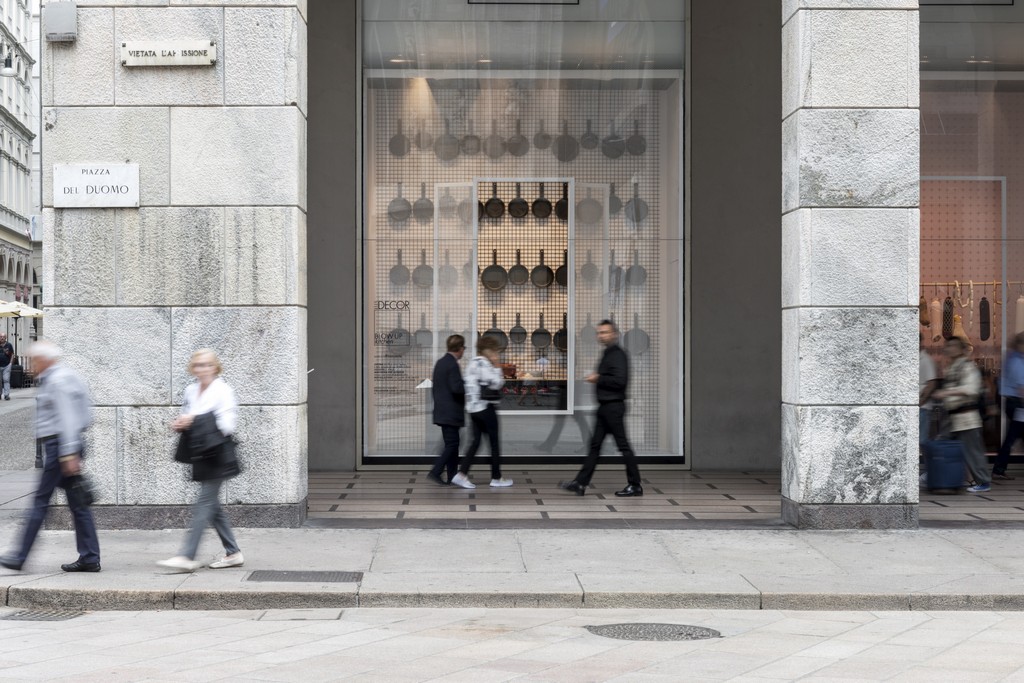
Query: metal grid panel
{"points": [[398, 410]]}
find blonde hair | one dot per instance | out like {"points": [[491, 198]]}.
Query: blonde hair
{"points": [[206, 352]]}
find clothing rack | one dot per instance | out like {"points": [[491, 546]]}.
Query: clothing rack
{"points": [[977, 283]]}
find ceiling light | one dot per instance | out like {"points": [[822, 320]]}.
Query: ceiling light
{"points": [[483, 61], [400, 60]]}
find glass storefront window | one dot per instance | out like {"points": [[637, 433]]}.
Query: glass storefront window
{"points": [[523, 171], [972, 209]]}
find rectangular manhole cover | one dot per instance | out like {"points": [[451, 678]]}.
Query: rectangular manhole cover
{"points": [[40, 615], [305, 577]]}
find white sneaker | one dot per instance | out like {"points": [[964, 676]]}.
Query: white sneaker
{"points": [[501, 483], [235, 560], [180, 563], [462, 480]]}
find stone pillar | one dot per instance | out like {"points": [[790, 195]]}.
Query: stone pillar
{"points": [[213, 257], [850, 149]]}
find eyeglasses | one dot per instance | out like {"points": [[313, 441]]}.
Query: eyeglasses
{"points": [[202, 365]]}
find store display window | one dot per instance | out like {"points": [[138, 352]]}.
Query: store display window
{"points": [[522, 179], [972, 203]]}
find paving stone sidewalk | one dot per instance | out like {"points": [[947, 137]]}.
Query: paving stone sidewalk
{"points": [[940, 569]]}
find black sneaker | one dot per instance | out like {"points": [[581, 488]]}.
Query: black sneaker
{"points": [[436, 478]]}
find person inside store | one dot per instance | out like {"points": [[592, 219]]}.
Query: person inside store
{"points": [[209, 416], [611, 381], [928, 382], [449, 393], [961, 388], [1011, 387], [63, 414], [484, 381], [6, 364]]}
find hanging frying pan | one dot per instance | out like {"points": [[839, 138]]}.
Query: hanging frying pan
{"points": [[466, 211], [399, 340], [423, 209], [423, 139], [565, 146], [517, 335], [589, 271], [636, 144], [561, 339], [518, 207], [589, 210], [614, 274], [562, 205], [636, 209], [636, 275], [636, 340], [399, 144], [541, 205], [518, 274], [541, 140], [494, 276], [470, 145], [541, 276], [494, 145], [399, 208], [541, 338], [448, 205], [497, 334], [613, 146], [446, 147], [986, 319], [589, 140], [614, 202], [518, 145], [562, 272], [588, 335], [494, 208], [445, 332], [423, 275], [448, 276], [423, 337], [399, 274]]}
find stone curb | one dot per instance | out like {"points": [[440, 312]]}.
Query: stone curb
{"points": [[31, 594]]}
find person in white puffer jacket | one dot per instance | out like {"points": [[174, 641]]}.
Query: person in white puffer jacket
{"points": [[484, 381]]}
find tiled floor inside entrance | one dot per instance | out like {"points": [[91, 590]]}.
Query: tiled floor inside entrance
{"points": [[672, 498]]}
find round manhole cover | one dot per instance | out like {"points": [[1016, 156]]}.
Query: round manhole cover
{"points": [[653, 632]]}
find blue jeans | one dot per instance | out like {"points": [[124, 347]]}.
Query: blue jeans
{"points": [[207, 510], [1014, 431], [85, 527], [924, 422]]}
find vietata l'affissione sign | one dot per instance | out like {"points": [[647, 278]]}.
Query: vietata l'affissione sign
{"points": [[92, 186], [168, 53]]}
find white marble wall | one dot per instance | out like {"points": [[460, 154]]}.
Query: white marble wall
{"points": [[850, 260], [214, 256]]}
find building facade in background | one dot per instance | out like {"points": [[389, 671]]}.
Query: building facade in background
{"points": [[19, 117]]}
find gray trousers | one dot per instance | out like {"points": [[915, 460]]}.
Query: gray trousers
{"points": [[7, 379], [206, 511], [974, 455]]}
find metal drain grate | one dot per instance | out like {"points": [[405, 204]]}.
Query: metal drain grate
{"points": [[40, 615], [653, 632], [305, 577]]}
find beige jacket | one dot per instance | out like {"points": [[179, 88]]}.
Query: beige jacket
{"points": [[964, 376]]}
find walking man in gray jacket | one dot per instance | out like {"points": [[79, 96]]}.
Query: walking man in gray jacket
{"points": [[63, 413]]}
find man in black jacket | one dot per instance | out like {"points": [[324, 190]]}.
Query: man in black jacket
{"points": [[611, 378], [449, 394]]}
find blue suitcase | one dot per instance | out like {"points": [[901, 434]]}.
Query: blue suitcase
{"points": [[945, 464]]}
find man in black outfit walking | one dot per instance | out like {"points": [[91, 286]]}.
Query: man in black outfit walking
{"points": [[611, 378], [449, 394]]}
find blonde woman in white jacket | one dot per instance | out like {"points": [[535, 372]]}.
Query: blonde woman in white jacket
{"points": [[484, 381]]}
